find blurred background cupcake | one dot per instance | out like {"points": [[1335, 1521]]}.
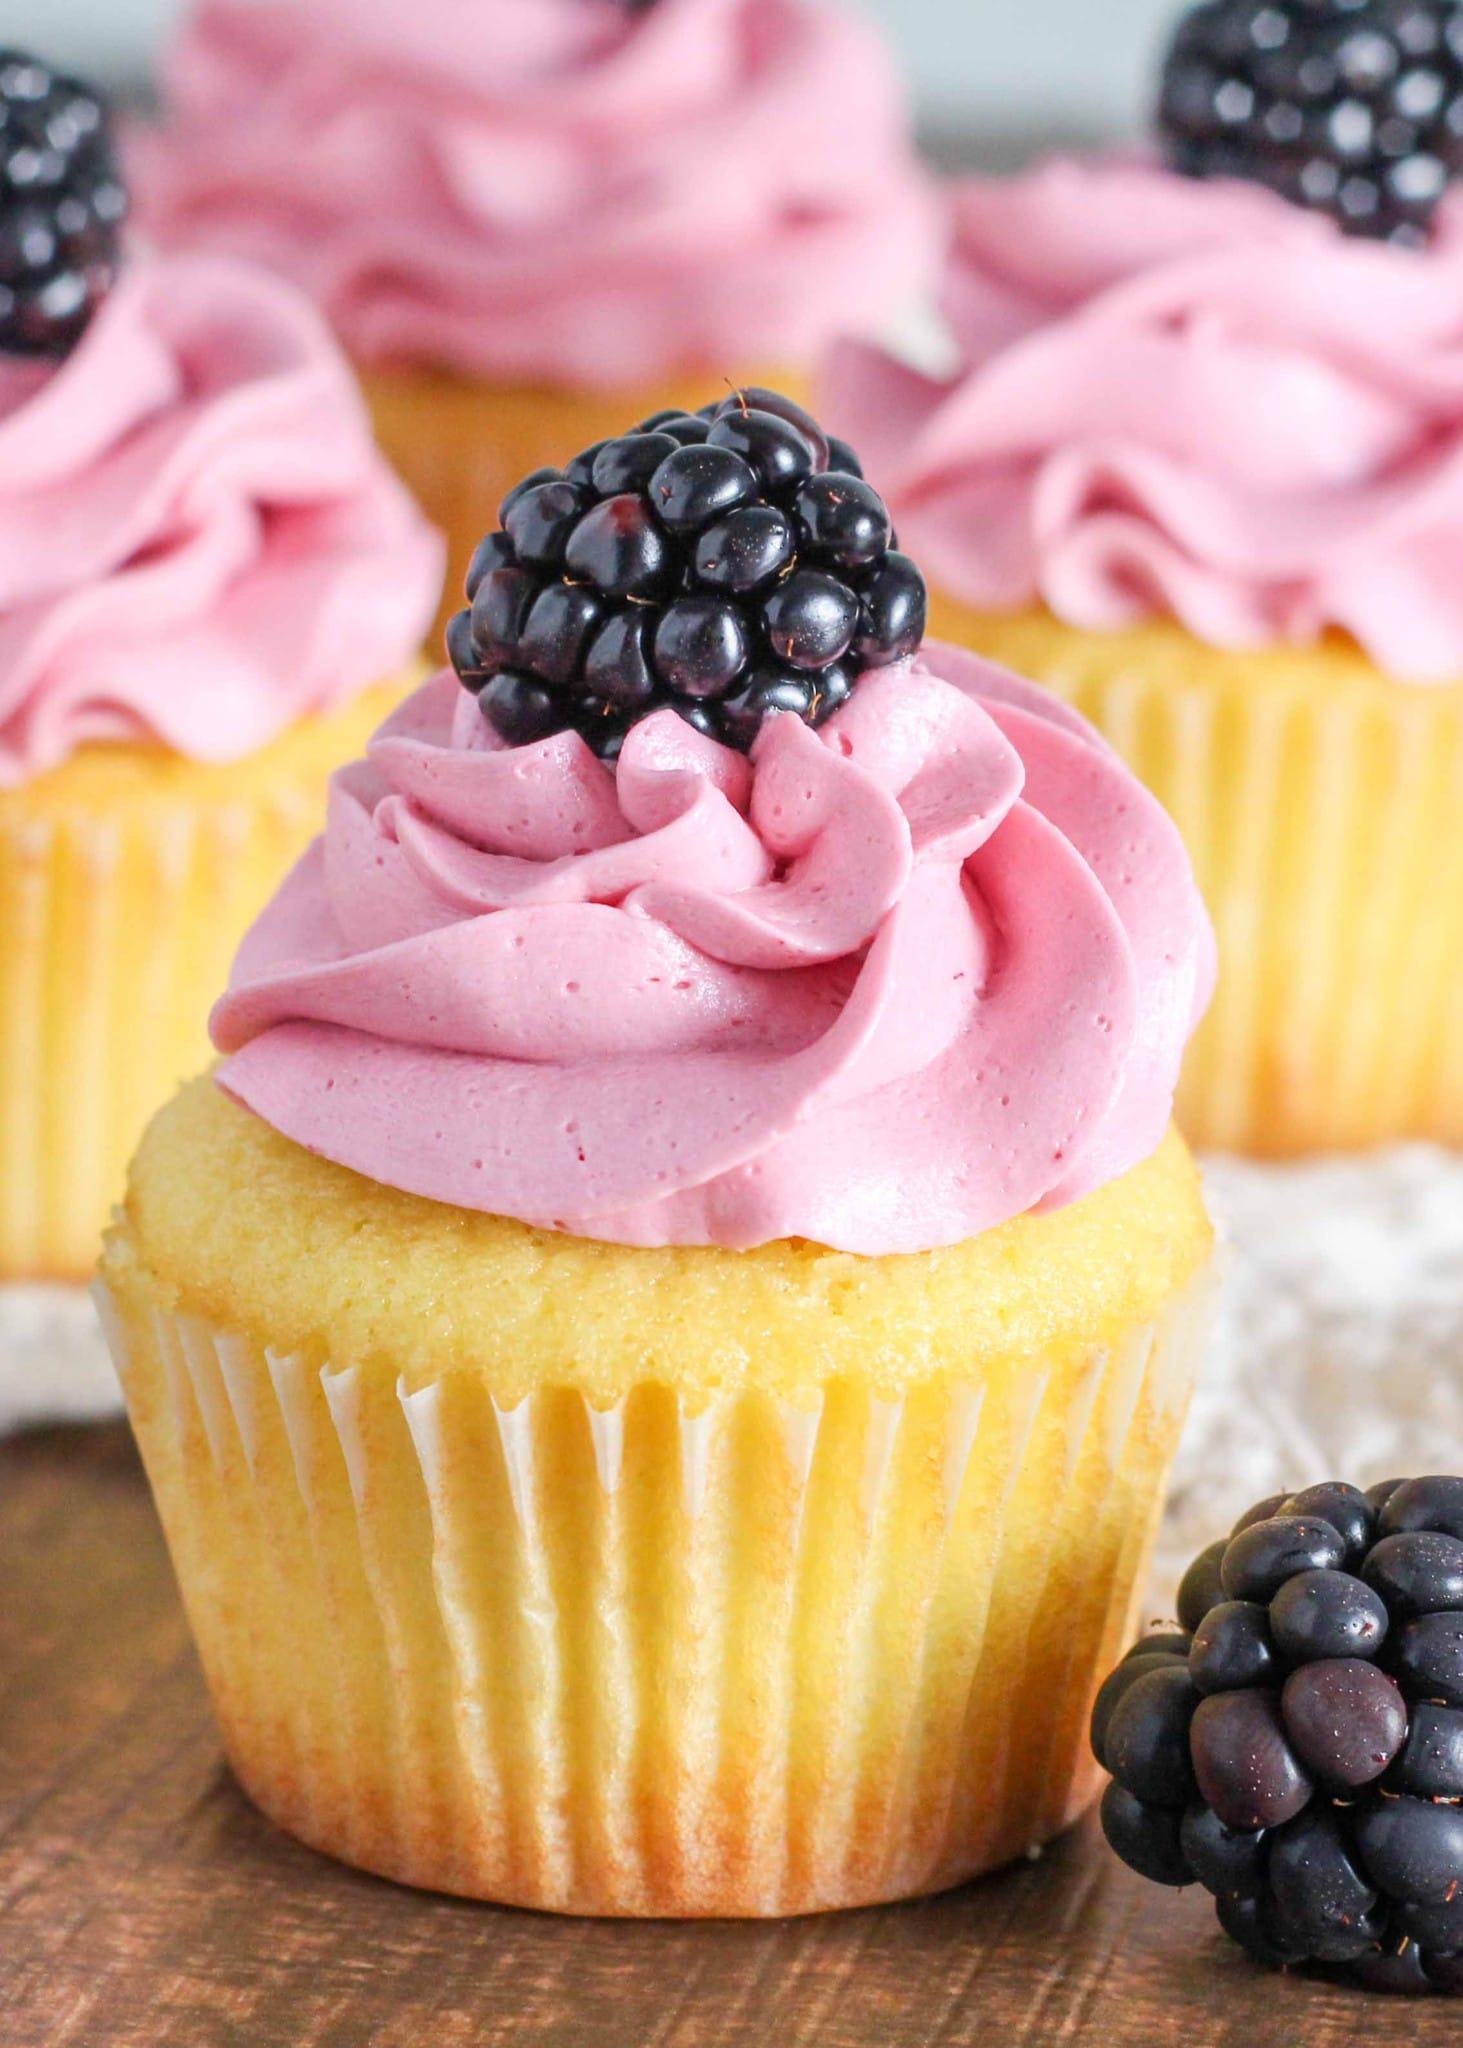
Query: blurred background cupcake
{"points": [[1199, 467], [211, 588], [659, 1352], [533, 221]]}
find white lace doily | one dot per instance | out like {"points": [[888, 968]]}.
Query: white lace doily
{"points": [[1339, 1353], [54, 1364]]}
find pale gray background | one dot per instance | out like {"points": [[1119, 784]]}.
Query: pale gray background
{"points": [[990, 70]]}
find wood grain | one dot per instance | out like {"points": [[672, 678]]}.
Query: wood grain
{"points": [[144, 1904]]}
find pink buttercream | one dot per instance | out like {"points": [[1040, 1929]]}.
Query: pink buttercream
{"points": [[198, 541], [555, 189], [883, 986], [1187, 398]]}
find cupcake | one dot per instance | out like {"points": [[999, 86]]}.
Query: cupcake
{"points": [[211, 591], [532, 221], [1201, 471], [659, 1346]]}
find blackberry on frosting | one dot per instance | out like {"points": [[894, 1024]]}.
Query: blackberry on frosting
{"points": [[732, 565], [62, 205], [1351, 107]]}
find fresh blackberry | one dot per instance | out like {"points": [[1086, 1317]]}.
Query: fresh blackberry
{"points": [[1261, 1558], [62, 205], [1351, 107], [1297, 1746], [731, 565], [1233, 1648], [1201, 1587]]}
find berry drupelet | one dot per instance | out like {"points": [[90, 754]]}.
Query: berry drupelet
{"points": [[1351, 107], [1297, 1746], [62, 205], [731, 565]]}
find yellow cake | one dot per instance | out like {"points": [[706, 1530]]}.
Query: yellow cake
{"points": [[1322, 805], [128, 875], [659, 1347], [648, 1581]]}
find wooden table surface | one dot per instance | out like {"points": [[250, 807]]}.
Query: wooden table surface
{"points": [[143, 1902]]}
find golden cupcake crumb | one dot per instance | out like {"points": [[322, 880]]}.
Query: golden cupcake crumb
{"points": [[227, 1219]]}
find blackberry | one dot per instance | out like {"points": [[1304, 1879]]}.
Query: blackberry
{"points": [[731, 565], [1200, 1588], [1232, 1648], [1261, 1558], [62, 205], [1353, 108], [1296, 1746]]}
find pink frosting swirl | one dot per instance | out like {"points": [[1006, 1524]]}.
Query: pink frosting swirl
{"points": [[549, 188], [198, 541], [882, 986], [1186, 398]]}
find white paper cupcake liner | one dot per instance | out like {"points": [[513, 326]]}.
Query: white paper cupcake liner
{"points": [[698, 1656]]}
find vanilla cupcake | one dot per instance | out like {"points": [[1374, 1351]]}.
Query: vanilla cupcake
{"points": [[659, 1348], [211, 590], [1200, 469], [532, 221]]}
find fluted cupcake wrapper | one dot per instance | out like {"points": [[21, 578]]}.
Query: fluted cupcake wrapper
{"points": [[119, 919], [1328, 837], [117, 930], [1324, 816], [744, 1657], [461, 444]]}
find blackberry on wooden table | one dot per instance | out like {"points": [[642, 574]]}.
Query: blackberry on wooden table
{"points": [[1296, 1747]]}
